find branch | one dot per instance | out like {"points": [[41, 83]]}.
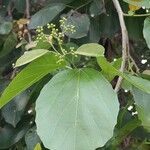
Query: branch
{"points": [[125, 42]]}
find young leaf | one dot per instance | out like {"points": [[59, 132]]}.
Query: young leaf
{"points": [[146, 31], [30, 75], [75, 106], [46, 15], [92, 49], [29, 56]]}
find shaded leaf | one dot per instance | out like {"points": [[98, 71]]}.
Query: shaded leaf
{"points": [[142, 101], [10, 135], [5, 27], [46, 15], [74, 115], [14, 110], [31, 138], [97, 8], [9, 45]]}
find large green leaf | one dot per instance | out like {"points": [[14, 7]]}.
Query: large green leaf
{"points": [[146, 31], [142, 3], [46, 15], [29, 56], [91, 49], [142, 101], [77, 110], [30, 75]]}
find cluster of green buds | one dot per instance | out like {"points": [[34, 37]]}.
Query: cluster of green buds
{"points": [[67, 28], [56, 36]]}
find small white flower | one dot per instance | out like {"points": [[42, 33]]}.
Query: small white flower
{"points": [[134, 113], [144, 61], [130, 108]]}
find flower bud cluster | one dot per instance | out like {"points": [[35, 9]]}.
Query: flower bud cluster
{"points": [[67, 28]]}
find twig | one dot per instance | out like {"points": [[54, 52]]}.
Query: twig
{"points": [[125, 42], [28, 17], [136, 15], [27, 9]]}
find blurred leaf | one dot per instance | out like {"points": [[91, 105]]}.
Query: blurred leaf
{"points": [[31, 138], [141, 3], [30, 75], [20, 5], [142, 101], [91, 49], [146, 31], [81, 23], [5, 27], [60, 1], [97, 7], [133, 7], [46, 15], [74, 115], [109, 23], [9, 44], [29, 56]]}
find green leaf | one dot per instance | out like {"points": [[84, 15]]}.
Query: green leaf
{"points": [[81, 23], [142, 3], [77, 109], [91, 49], [142, 101], [146, 31], [9, 45], [29, 56], [138, 82], [30, 75], [46, 15], [107, 67]]}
